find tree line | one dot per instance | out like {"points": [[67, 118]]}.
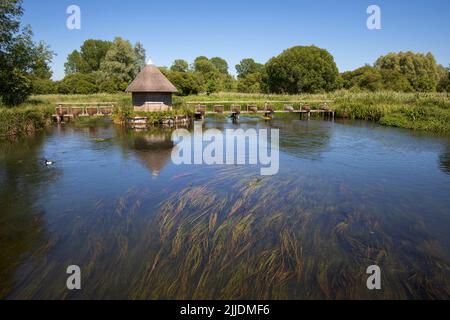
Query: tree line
{"points": [[109, 66], [102, 66]]}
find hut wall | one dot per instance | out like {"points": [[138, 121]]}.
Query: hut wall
{"points": [[140, 98]]}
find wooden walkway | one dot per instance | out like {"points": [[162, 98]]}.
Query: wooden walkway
{"points": [[250, 107], [69, 111]]}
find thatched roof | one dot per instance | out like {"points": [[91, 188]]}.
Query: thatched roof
{"points": [[150, 79]]}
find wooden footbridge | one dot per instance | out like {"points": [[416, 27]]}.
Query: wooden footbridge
{"points": [[235, 108], [68, 111]]}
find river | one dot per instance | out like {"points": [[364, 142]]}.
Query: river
{"points": [[348, 194]]}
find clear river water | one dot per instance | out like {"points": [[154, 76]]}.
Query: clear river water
{"points": [[348, 195]]}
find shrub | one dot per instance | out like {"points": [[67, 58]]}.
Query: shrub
{"points": [[44, 86]]}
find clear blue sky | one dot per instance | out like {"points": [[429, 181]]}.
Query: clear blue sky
{"points": [[235, 30]]}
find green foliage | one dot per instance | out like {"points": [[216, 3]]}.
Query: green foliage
{"points": [[373, 79], [393, 80], [23, 120], [421, 70], [250, 76], [204, 65], [40, 67], [17, 87], [366, 78], [20, 58], [302, 70], [180, 65], [90, 57], [220, 64], [44, 86], [139, 53], [444, 82], [247, 67], [120, 61], [251, 83], [186, 83], [78, 83], [114, 65], [108, 86]]}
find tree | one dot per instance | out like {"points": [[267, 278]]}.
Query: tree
{"points": [[180, 65], [78, 83], [395, 81], [251, 83], [44, 56], [421, 70], [203, 65], [44, 86], [302, 70], [364, 78], [248, 66], [444, 82], [186, 82], [250, 76], [120, 61], [139, 51], [90, 57], [19, 55], [10, 11], [18, 88], [74, 63], [373, 79], [220, 64]]}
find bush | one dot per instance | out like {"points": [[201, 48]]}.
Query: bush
{"points": [[18, 121], [187, 83], [108, 86], [302, 70], [78, 83], [43, 86], [17, 88]]}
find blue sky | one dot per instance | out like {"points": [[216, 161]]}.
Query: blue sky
{"points": [[235, 30]]}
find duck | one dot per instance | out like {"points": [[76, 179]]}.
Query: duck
{"points": [[48, 162]]}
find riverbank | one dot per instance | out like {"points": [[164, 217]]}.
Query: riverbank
{"points": [[418, 111]]}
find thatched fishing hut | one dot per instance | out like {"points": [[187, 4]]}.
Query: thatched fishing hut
{"points": [[151, 90]]}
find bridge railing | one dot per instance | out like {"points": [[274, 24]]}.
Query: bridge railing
{"points": [[84, 109], [259, 106]]}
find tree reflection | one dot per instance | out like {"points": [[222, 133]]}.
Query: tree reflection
{"points": [[444, 160]]}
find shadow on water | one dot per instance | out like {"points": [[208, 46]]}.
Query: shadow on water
{"points": [[444, 160], [23, 180], [349, 196]]}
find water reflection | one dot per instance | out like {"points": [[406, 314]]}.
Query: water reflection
{"points": [[23, 178], [153, 147], [444, 160]]}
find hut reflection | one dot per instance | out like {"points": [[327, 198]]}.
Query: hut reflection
{"points": [[153, 147]]}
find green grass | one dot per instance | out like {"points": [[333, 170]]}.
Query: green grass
{"points": [[419, 111]]}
